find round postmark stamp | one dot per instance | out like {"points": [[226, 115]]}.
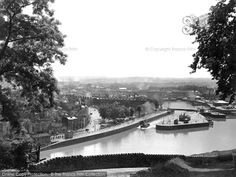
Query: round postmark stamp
{"points": [[188, 22]]}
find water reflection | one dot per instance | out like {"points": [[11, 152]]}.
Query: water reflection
{"points": [[150, 141]]}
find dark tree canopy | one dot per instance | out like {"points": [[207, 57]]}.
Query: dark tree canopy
{"points": [[217, 47], [30, 42], [113, 111]]}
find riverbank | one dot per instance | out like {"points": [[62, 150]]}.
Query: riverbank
{"points": [[107, 131]]}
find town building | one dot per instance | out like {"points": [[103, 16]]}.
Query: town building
{"points": [[71, 123], [75, 123], [58, 137]]}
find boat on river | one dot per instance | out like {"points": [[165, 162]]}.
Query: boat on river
{"points": [[217, 115], [212, 114], [230, 110], [184, 118], [143, 125], [182, 126]]}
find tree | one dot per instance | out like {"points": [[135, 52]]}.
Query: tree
{"points": [[139, 109], [113, 111], [217, 47], [155, 102], [6, 160], [103, 111], [29, 43], [131, 112]]}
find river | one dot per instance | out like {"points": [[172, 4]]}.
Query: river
{"points": [[150, 141]]}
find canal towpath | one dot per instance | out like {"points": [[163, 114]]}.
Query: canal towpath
{"points": [[79, 138]]}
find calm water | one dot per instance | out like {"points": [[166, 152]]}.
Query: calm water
{"points": [[219, 137]]}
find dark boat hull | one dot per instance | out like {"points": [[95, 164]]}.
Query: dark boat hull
{"points": [[182, 126], [213, 115]]}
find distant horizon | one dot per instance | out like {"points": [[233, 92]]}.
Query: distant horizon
{"points": [[142, 82], [154, 77], [77, 78]]}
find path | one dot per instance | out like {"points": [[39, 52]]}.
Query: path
{"points": [[87, 136], [118, 172], [119, 126], [93, 124]]}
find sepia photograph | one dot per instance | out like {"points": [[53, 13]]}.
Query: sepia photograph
{"points": [[118, 88]]}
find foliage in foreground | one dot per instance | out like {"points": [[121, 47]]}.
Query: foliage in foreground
{"points": [[13, 155], [29, 44], [30, 41], [164, 170], [217, 47]]}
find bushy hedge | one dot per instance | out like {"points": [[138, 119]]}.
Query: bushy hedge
{"points": [[74, 163]]}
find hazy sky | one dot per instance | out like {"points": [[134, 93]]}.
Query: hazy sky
{"points": [[118, 38]]}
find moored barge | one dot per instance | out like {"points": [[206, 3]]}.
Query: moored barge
{"points": [[184, 121], [212, 114], [182, 126]]}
